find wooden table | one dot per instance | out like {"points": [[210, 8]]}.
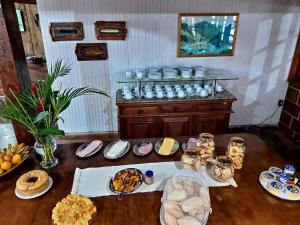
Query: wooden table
{"points": [[247, 204]]}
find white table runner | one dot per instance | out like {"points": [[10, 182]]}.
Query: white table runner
{"points": [[93, 182]]}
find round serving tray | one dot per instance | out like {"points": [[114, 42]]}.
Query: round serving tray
{"points": [[108, 147], [282, 195], [159, 143], [139, 144], [19, 195]]}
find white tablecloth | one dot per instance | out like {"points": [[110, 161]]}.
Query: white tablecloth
{"points": [[93, 182]]}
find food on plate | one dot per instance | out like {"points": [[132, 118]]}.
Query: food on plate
{"points": [[12, 156], [73, 210], [275, 187], [167, 146], [292, 191], [145, 148], [192, 143], [119, 147], [126, 180], [236, 151], [223, 169], [189, 158], [206, 147], [267, 176], [89, 149], [275, 170], [32, 182], [177, 195]]}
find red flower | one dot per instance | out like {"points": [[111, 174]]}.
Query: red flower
{"points": [[40, 107], [33, 89]]}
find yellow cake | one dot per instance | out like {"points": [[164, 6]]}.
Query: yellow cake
{"points": [[32, 183]]}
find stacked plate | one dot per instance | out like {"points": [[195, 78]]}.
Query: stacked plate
{"points": [[199, 71], [154, 75], [170, 73]]}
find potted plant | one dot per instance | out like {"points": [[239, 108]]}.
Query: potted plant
{"points": [[39, 109]]}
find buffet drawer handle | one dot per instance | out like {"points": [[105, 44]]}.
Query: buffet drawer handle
{"points": [[176, 109], [140, 111]]}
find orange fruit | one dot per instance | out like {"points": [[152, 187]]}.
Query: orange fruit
{"points": [[1, 161], [7, 158], [16, 159], [5, 165]]}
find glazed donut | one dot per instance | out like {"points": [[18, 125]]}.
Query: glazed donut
{"points": [[32, 182]]}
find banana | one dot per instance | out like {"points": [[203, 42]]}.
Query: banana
{"points": [[20, 146], [24, 148], [14, 148], [9, 147]]}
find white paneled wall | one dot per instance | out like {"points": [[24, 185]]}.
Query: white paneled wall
{"points": [[265, 44]]}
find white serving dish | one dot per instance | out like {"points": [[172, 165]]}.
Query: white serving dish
{"points": [[265, 185]]}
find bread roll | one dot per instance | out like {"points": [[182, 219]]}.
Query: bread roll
{"points": [[188, 186], [170, 219], [177, 182], [193, 204], [188, 220], [173, 209], [177, 195]]}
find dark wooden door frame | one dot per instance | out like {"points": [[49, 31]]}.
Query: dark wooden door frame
{"points": [[14, 74], [294, 75]]}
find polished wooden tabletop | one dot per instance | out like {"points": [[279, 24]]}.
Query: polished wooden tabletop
{"points": [[247, 204]]}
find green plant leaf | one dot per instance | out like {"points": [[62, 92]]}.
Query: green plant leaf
{"points": [[52, 131], [41, 116]]}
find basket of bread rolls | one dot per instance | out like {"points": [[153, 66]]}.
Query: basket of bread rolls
{"points": [[184, 202]]}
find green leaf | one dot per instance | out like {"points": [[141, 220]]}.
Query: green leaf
{"points": [[52, 131], [41, 116]]}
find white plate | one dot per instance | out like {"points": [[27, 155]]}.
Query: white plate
{"points": [[282, 195], [19, 195]]}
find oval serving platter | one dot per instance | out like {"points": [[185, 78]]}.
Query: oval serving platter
{"points": [[121, 154], [159, 143], [282, 195], [91, 153]]}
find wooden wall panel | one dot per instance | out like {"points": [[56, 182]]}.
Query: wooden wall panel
{"points": [[32, 36]]}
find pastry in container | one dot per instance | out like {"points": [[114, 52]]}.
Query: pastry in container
{"points": [[206, 147], [236, 151], [223, 169], [184, 202]]}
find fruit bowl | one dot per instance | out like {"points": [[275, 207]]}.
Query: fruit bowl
{"points": [[12, 157]]}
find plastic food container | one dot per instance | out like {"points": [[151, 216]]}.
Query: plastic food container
{"points": [[185, 201]]}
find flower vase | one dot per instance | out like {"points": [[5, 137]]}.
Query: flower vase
{"points": [[48, 159]]}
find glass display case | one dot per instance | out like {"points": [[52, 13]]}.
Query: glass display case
{"points": [[168, 83]]}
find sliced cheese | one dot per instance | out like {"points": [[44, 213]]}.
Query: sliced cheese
{"points": [[167, 146]]}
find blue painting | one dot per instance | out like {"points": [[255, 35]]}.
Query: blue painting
{"points": [[207, 34]]}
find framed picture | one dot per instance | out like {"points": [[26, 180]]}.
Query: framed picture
{"points": [[110, 30], [207, 34], [70, 31], [91, 51]]}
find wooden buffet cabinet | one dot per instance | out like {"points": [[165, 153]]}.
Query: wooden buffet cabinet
{"points": [[186, 117]]}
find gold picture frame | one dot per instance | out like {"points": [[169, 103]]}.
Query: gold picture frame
{"points": [[207, 34]]}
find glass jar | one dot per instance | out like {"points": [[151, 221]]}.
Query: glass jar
{"points": [[223, 169], [236, 151], [149, 177], [206, 147]]}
